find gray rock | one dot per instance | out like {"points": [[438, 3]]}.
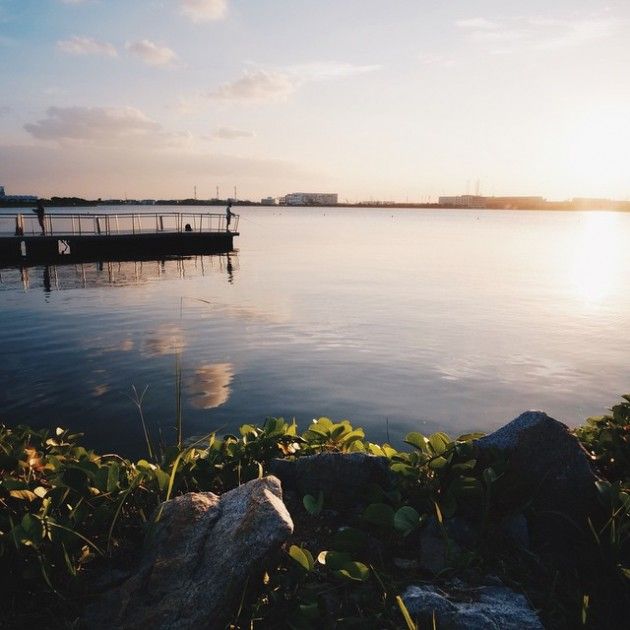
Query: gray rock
{"points": [[490, 607], [344, 478], [423, 601], [515, 527], [549, 472], [435, 552], [198, 558], [501, 606]]}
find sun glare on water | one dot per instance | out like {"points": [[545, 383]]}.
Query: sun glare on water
{"points": [[596, 257]]}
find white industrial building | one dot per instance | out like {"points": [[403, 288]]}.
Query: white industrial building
{"points": [[310, 199]]}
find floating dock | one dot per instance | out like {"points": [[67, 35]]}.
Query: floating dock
{"points": [[70, 238]]}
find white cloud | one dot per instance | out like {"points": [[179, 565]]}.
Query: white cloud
{"points": [[430, 59], [231, 133], [258, 85], [278, 84], [321, 71], [152, 53], [78, 45], [536, 33], [477, 23], [204, 10], [580, 32], [92, 124]]}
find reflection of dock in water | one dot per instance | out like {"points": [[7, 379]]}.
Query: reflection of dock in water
{"points": [[116, 273], [80, 237]]}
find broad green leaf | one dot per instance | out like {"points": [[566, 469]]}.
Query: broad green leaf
{"points": [[350, 539], [336, 560], [437, 463], [439, 442], [406, 519], [417, 439], [379, 514], [356, 571], [313, 505], [302, 556]]}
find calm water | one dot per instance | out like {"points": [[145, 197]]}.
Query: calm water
{"points": [[411, 320]]}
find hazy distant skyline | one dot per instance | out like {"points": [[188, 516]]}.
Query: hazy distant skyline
{"points": [[393, 100]]}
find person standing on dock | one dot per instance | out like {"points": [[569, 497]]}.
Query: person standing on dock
{"points": [[41, 214], [228, 216]]}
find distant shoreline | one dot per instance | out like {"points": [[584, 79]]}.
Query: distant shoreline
{"points": [[623, 206]]}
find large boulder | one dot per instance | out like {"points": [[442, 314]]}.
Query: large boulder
{"points": [[198, 558], [483, 608], [344, 478], [549, 476]]}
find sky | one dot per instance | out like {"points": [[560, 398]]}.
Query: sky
{"points": [[398, 100]]}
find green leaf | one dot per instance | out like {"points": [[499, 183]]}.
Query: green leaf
{"points": [[334, 560], [312, 505], [113, 472], [418, 440], [302, 556], [350, 539], [356, 571], [437, 463], [379, 514], [406, 519], [439, 442]]}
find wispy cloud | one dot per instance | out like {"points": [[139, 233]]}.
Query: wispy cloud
{"points": [[431, 59], [231, 133], [204, 10], [78, 45], [258, 85], [152, 54], [322, 71], [5, 110], [477, 23], [278, 84], [537, 32]]}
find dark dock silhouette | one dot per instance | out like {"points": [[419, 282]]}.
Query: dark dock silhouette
{"points": [[84, 237]]}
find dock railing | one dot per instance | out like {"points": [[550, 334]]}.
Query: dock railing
{"points": [[111, 224]]}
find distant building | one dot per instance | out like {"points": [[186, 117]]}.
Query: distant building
{"points": [[147, 202], [515, 203], [463, 201], [268, 201], [22, 198], [310, 199], [504, 203]]}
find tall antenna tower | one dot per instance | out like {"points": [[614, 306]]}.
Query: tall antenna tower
{"points": [[217, 193], [195, 192]]}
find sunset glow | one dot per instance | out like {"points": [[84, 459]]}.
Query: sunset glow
{"points": [[394, 101]]}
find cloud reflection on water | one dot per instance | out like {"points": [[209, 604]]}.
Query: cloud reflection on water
{"points": [[164, 340], [209, 386]]}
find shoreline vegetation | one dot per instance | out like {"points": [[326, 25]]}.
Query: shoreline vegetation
{"points": [[593, 205], [72, 520]]}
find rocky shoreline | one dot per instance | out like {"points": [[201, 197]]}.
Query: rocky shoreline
{"points": [[206, 549]]}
